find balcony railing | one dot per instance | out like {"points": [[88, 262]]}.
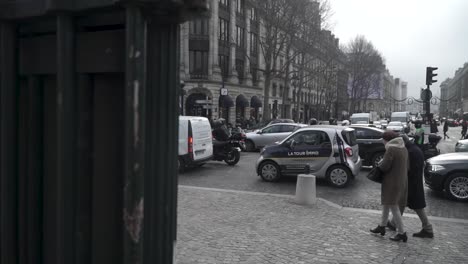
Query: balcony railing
{"points": [[198, 76]]}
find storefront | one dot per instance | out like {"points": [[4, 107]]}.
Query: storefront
{"points": [[255, 105]]}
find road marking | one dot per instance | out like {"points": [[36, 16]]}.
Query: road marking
{"points": [[329, 203]]}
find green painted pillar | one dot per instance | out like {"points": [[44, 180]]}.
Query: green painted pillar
{"points": [[8, 145], [135, 93]]}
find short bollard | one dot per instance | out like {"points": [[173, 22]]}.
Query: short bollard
{"points": [[306, 193]]}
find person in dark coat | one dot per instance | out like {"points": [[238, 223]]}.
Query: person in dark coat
{"points": [[394, 189], [434, 128], [446, 129], [416, 196]]}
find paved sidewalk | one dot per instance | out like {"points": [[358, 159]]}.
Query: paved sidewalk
{"points": [[219, 226]]}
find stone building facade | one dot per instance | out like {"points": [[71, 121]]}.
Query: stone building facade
{"points": [[454, 94], [221, 68]]}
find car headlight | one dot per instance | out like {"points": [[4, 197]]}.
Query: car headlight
{"points": [[435, 168]]}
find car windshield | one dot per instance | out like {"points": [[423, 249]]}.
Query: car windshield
{"points": [[359, 120], [401, 119]]}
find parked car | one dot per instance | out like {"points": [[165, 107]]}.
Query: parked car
{"points": [[329, 152], [383, 123], [452, 122], [462, 146], [377, 124], [448, 173], [277, 121], [269, 135], [371, 146], [396, 126], [263, 124]]}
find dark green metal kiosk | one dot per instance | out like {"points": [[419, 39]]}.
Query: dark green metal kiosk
{"points": [[88, 129]]}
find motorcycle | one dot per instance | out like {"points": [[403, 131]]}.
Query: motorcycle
{"points": [[239, 134], [228, 151]]}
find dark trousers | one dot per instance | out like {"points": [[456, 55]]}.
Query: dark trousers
{"points": [[445, 134]]}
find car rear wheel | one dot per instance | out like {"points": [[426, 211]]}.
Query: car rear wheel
{"points": [[180, 166], [339, 176], [249, 146], [269, 171], [377, 159], [456, 187]]}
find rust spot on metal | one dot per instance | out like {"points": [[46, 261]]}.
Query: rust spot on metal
{"points": [[134, 221]]}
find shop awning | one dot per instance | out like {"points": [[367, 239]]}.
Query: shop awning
{"points": [[241, 101], [225, 101], [255, 102]]}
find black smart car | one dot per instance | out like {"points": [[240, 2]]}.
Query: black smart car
{"points": [[371, 147], [448, 173]]}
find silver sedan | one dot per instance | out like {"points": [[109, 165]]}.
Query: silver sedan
{"points": [[269, 135], [396, 126], [462, 146]]}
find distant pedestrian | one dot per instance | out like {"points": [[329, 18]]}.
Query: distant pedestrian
{"points": [[394, 189], [418, 134], [464, 129], [445, 130], [434, 128], [416, 197]]}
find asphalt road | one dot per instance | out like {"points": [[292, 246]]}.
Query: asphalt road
{"points": [[361, 193]]}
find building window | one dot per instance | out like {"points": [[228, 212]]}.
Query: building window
{"points": [[253, 71], [223, 30], [199, 27], [240, 37], [240, 69], [224, 65], [239, 6], [198, 64], [224, 3], [253, 43], [253, 15], [273, 90], [281, 91]]}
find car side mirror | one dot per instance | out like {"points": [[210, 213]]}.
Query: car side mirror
{"points": [[259, 132]]}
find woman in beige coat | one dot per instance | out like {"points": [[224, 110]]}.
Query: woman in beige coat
{"points": [[394, 168]]}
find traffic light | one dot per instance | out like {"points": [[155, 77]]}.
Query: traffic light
{"points": [[430, 75]]}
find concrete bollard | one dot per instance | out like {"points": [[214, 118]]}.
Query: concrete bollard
{"points": [[306, 192]]}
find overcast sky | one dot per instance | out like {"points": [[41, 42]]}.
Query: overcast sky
{"points": [[410, 34]]}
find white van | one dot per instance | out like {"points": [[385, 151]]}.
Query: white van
{"points": [[195, 141], [360, 118]]}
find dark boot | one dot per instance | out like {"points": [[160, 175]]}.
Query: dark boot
{"points": [[424, 233], [399, 237], [391, 226], [379, 229]]}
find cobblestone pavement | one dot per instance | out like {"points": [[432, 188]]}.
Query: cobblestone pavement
{"points": [[238, 227], [361, 193]]}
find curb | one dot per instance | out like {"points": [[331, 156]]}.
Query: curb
{"points": [[329, 203]]}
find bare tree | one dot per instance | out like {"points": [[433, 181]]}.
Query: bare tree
{"points": [[365, 64], [283, 23]]}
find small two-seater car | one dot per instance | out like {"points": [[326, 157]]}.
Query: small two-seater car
{"points": [[329, 152]]}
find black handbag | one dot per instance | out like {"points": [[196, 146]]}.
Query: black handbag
{"points": [[375, 175]]}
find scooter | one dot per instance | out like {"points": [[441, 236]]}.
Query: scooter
{"points": [[228, 151]]}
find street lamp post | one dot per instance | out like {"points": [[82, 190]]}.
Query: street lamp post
{"points": [[182, 93]]}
